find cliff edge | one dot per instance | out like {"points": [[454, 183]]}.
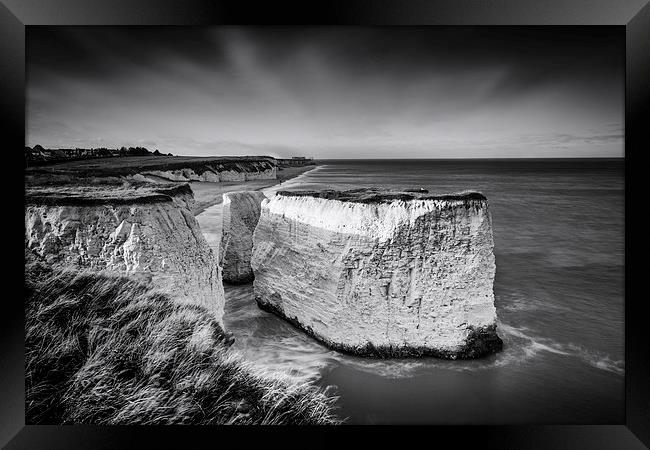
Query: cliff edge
{"points": [[380, 273], [147, 233], [162, 168]]}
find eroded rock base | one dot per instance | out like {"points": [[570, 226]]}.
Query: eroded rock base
{"points": [[480, 342]]}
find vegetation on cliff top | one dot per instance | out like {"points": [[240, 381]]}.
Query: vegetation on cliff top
{"points": [[376, 195], [60, 191], [115, 167], [105, 349]]}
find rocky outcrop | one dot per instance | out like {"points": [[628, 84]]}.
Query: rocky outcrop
{"points": [[380, 273], [241, 212], [219, 172], [144, 233]]}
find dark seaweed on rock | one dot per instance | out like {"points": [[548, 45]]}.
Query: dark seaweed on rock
{"points": [[480, 342], [374, 195]]}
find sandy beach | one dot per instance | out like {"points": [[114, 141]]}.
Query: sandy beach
{"points": [[208, 196]]}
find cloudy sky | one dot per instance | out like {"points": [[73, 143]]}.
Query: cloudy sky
{"points": [[330, 92]]}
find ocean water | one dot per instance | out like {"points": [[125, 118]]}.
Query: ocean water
{"points": [[559, 289]]}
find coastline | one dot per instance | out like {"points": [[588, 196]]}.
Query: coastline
{"points": [[208, 194], [208, 211]]}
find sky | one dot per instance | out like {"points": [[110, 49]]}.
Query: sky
{"points": [[329, 92]]}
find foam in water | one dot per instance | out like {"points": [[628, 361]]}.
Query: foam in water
{"points": [[561, 317]]}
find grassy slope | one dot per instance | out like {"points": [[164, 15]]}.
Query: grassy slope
{"points": [[130, 165], [104, 349]]}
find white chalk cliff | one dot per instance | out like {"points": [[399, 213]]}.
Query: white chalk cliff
{"points": [[146, 233], [383, 274], [241, 212], [219, 172]]}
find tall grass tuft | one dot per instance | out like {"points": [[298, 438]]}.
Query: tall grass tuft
{"points": [[105, 349]]}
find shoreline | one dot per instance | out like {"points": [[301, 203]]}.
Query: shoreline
{"points": [[208, 194]]}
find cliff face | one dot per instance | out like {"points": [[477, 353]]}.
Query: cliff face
{"points": [[218, 172], [149, 234], [241, 212], [385, 274]]}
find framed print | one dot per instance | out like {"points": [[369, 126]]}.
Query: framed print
{"points": [[324, 218]]}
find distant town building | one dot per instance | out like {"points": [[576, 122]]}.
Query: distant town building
{"points": [[294, 161]]}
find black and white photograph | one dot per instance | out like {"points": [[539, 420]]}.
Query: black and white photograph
{"points": [[324, 225]]}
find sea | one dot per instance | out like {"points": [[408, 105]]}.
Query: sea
{"points": [[559, 294]]}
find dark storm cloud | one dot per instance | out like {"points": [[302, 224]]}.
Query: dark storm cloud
{"points": [[92, 51], [429, 92]]}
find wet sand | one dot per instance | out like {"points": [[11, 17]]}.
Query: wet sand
{"points": [[209, 197], [209, 194]]}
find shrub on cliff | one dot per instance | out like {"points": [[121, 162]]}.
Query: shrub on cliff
{"points": [[105, 349]]}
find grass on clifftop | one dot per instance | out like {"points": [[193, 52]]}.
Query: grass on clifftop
{"points": [[104, 349], [115, 167]]}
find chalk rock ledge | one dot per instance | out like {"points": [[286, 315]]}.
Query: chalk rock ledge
{"points": [[241, 212], [380, 273]]}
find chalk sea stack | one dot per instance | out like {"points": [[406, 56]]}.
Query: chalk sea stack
{"points": [[241, 212], [380, 273], [147, 233]]}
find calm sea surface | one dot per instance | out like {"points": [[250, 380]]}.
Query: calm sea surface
{"points": [[559, 247]]}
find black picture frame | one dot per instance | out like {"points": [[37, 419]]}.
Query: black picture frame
{"points": [[633, 15]]}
